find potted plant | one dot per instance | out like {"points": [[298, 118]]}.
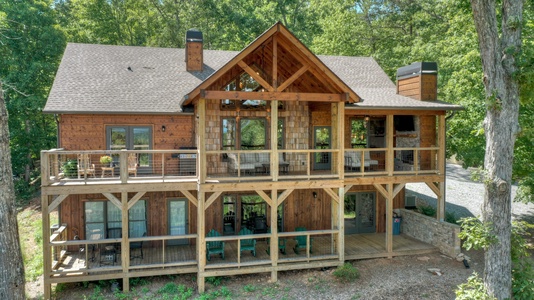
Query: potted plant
{"points": [[70, 168], [106, 159]]}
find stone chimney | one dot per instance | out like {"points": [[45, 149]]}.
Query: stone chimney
{"points": [[194, 56], [418, 81]]}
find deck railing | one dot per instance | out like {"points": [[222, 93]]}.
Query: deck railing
{"points": [[87, 166], [314, 245], [105, 254], [60, 166]]}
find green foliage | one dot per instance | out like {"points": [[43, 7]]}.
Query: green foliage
{"points": [[475, 234], [451, 218], [70, 168], [179, 292], [249, 288], [215, 280], [137, 281], [427, 210], [473, 289], [347, 273]]}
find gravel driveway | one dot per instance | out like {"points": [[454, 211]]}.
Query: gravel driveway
{"points": [[464, 197]]}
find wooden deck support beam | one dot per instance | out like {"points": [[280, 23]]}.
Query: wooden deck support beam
{"points": [[47, 255], [389, 220], [201, 242], [201, 142], [274, 235], [442, 123], [274, 140], [125, 245]]}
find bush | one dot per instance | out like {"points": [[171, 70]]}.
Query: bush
{"points": [[70, 168], [427, 210], [451, 218], [472, 289], [347, 273]]}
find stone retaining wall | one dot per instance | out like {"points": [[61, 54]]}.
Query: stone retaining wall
{"points": [[429, 230]]}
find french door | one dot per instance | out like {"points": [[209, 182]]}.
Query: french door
{"points": [[322, 160], [178, 221], [360, 213]]}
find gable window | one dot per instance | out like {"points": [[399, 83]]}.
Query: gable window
{"points": [[103, 216], [130, 138]]}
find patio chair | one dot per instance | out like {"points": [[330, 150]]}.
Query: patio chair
{"points": [[352, 161], [137, 246], [301, 241], [214, 247], [115, 233], [132, 164], [85, 167], [247, 244], [281, 244]]}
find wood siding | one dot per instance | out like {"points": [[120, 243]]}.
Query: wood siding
{"points": [[88, 132], [420, 87]]}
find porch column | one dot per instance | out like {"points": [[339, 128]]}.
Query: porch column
{"points": [[440, 214], [341, 225], [47, 255], [389, 220], [390, 161], [125, 245], [201, 241], [274, 140], [201, 162], [274, 235]]}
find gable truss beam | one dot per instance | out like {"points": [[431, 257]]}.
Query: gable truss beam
{"points": [[269, 96], [293, 77], [256, 77]]}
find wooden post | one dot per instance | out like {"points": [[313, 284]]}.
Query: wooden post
{"points": [[275, 64], [274, 140], [440, 213], [335, 137], [45, 168], [389, 220], [390, 160], [125, 245], [123, 159], [201, 165], [201, 241], [47, 256], [341, 144], [274, 235], [341, 225]]}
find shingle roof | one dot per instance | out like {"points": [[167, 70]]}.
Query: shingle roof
{"points": [[125, 79], [144, 80]]}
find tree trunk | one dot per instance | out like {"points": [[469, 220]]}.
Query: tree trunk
{"points": [[498, 53], [11, 264]]}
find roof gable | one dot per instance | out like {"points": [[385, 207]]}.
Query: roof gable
{"points": [[280, 63]]}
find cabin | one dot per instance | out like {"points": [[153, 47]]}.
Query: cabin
{"points": [[219, 163]]}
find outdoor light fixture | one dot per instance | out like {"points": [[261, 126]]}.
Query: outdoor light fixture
{"points": [[314, 195], [163, 128], [366, 118]]}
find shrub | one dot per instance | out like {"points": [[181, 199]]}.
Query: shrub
{"points": [[70, 168], [427, 210], [451, 218], [347, 273], [472, 289]]}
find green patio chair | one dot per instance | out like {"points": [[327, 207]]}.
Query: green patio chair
{"points": [[247, 244], [281, 243], [301, 241], [214, 247]]}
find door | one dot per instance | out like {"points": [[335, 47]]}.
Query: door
{"points": [[360, 213], [322, 160], [229, 216], [178, 220]]}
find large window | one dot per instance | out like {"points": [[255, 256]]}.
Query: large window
{"points": [[101, 216], [250, 135], [358, 132], [130, 138]]}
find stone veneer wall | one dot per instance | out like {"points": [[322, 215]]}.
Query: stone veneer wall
{"points": [[443, 235]]}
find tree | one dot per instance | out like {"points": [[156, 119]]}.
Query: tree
{"points": [[31, 46], [500, 48], [11, 264]]}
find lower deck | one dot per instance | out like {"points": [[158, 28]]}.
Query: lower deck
{"points": [[96, 261]]}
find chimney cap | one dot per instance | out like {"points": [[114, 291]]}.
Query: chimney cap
{"points": [[417, 68], [193, 35]]}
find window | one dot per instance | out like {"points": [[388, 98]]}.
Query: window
{"points": [[100, 216], [281, 131], [251, 134], [130, 138], [358, 133]]}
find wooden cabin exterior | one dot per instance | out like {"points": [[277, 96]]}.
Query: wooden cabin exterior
{"points": [[309, 153]]}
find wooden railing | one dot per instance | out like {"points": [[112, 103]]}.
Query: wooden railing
{"points": [[85, 166], [58, 251]]}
